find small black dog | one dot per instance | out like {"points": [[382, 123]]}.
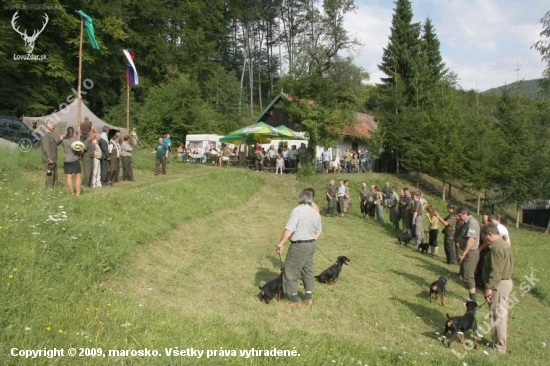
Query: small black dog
{"points": [[462, 323], [272, 289], [330, 275], [404, 238], [424, 246], [437, 289]]}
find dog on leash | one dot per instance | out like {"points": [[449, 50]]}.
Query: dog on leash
{"points": [[330, 275], [272, 289], [437, 289], [462, 324]]}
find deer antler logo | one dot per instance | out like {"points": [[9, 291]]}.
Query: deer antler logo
{"points": [[29, 40]]}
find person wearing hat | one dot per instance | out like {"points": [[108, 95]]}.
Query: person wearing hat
{"points": [[48, 144]]}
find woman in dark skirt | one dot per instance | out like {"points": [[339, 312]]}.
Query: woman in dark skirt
{"points": [[71, 163]]}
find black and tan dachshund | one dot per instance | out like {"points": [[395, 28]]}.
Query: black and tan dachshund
{"points": [[462, 324], [330, 275], [437, 289], [272, 289]]}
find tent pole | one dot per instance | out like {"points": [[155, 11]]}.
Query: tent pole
{"points": [[128, 108], [80, 75]]}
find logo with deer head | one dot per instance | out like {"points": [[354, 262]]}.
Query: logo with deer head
{"points": [[29, 40]]}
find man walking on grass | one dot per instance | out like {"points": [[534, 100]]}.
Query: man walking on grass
{"points": [[160, 157]]}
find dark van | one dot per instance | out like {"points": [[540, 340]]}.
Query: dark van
{"points": [[14, 130]]}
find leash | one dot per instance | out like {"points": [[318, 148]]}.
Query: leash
{"points": [[281, 261], [482, 304], [326, 256]]}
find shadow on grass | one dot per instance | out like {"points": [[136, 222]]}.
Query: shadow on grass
{"points": [[438, 268], [264, 275], [421, 282], [425, 313]]}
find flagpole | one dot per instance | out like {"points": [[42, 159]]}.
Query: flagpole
{"points": [[128, 108], [80, 75]]}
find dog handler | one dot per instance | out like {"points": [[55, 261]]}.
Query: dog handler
{"points": [[302, 229], [497, 277], [468, 241]]}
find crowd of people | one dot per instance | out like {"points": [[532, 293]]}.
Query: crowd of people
{"points": [[482, 252], [281, 160], [95, 163]]}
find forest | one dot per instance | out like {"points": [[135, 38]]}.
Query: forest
{"points": [[210, 66]]}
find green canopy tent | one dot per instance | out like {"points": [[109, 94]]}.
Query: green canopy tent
{"points": [[249, 140], [259, 132], [288, 134]]}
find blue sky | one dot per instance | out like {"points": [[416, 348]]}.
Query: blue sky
{"points": [[483, 41]]}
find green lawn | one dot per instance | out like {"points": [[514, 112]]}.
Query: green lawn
{"points": [[173, 263]]}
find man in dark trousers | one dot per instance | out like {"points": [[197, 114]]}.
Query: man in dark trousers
{"points": [[104, 146], [49, 144], [302, 229], [468, 241], [88, 160], [449, 233], [160, 157], [497, 277]]}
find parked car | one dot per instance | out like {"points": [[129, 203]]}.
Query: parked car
{"points": [[14, 130]]}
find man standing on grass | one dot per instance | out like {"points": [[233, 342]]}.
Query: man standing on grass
{"points": [[497, 277], [468, 241], [302, 229], [88, 160], [418, 218], [448, 233], [49, 144], [160, 157], [332, 198]]}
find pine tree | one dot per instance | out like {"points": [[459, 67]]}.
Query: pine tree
{"points": [[401, 63], [433, 69]]}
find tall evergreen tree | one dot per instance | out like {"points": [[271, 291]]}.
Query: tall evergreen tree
{"points": [[401, 63], [433, 68]]}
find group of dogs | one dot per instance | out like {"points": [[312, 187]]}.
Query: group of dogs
{"points": [[274, 288], [457, 324], [454, 325]]}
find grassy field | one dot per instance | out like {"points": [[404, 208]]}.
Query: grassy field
{"points": [[173, 263]]}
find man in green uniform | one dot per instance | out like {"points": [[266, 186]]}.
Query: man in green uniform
{"points": [[88, 160], [161, 153], [448, 233], [49, 144], [497, 277], [302, 229], [468, 242], [332, 200]]}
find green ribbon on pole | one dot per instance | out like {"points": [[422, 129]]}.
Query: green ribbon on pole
{"points": [[89, 25]]}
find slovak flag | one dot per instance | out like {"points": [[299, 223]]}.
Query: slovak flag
{"points": [[131, 72]]}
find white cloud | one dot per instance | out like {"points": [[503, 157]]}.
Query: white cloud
{"points": [[483, 41]]}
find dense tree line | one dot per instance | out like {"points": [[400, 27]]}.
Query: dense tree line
{"points": [[499, 143], [213, 65]]}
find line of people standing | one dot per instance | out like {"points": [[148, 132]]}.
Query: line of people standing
{"points": [[97, 164]]}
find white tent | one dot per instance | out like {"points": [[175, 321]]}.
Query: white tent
{"points": [[68, 117]]}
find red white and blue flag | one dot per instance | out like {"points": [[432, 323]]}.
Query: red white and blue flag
{"points": [[131, 72]]}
